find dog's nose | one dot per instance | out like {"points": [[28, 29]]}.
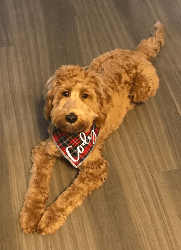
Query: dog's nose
{"points": [[71, 118]]}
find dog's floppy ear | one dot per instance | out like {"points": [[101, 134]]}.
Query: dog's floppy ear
{"points": [[103, 93], [48, 94]]}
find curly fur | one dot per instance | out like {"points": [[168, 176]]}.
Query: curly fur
{"points": [[113, 84]]}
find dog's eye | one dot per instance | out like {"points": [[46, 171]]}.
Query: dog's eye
{"points": [[65, 93], [85, 96]]}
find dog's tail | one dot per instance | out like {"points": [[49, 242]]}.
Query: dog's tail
{"points": [[152, 46]]}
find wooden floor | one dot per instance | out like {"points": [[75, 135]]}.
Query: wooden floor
{"points": [[139, 206]]}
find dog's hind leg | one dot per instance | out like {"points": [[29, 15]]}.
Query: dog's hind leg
{"points": [[38, 191], [90, 177], [145, 83]]}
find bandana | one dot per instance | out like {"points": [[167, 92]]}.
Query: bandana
{"points": [[75, 147]]}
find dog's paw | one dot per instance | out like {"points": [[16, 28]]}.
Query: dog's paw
{"points": [[29, 220], [50, 222]]}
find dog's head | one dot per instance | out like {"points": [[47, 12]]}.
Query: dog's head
{"points": [[74, 98]]}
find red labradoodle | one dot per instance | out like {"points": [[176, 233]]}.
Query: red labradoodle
{"points": [[85, 105]]}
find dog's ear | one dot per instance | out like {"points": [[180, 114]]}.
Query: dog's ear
{"points": [[48, 94], [103, 93], [103, 100], [100, 120]]}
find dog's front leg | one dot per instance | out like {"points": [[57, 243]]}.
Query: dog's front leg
{"points": [[91, 176], [44, 158]]}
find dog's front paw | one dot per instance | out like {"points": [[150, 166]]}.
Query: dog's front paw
{"points": [[29, 219], [50, 222]]}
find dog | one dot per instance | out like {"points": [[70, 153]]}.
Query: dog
{"points": [[85, 105]]}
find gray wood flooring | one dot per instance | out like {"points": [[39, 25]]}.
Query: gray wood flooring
{"points": [[139, 206]]}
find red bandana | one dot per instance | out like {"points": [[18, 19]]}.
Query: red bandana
{"points": [[75, 147]]}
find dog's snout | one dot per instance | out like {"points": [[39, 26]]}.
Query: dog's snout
{"points": [[71, 118]]}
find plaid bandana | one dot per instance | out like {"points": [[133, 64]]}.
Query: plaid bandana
{"points": [[75, 147]]}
